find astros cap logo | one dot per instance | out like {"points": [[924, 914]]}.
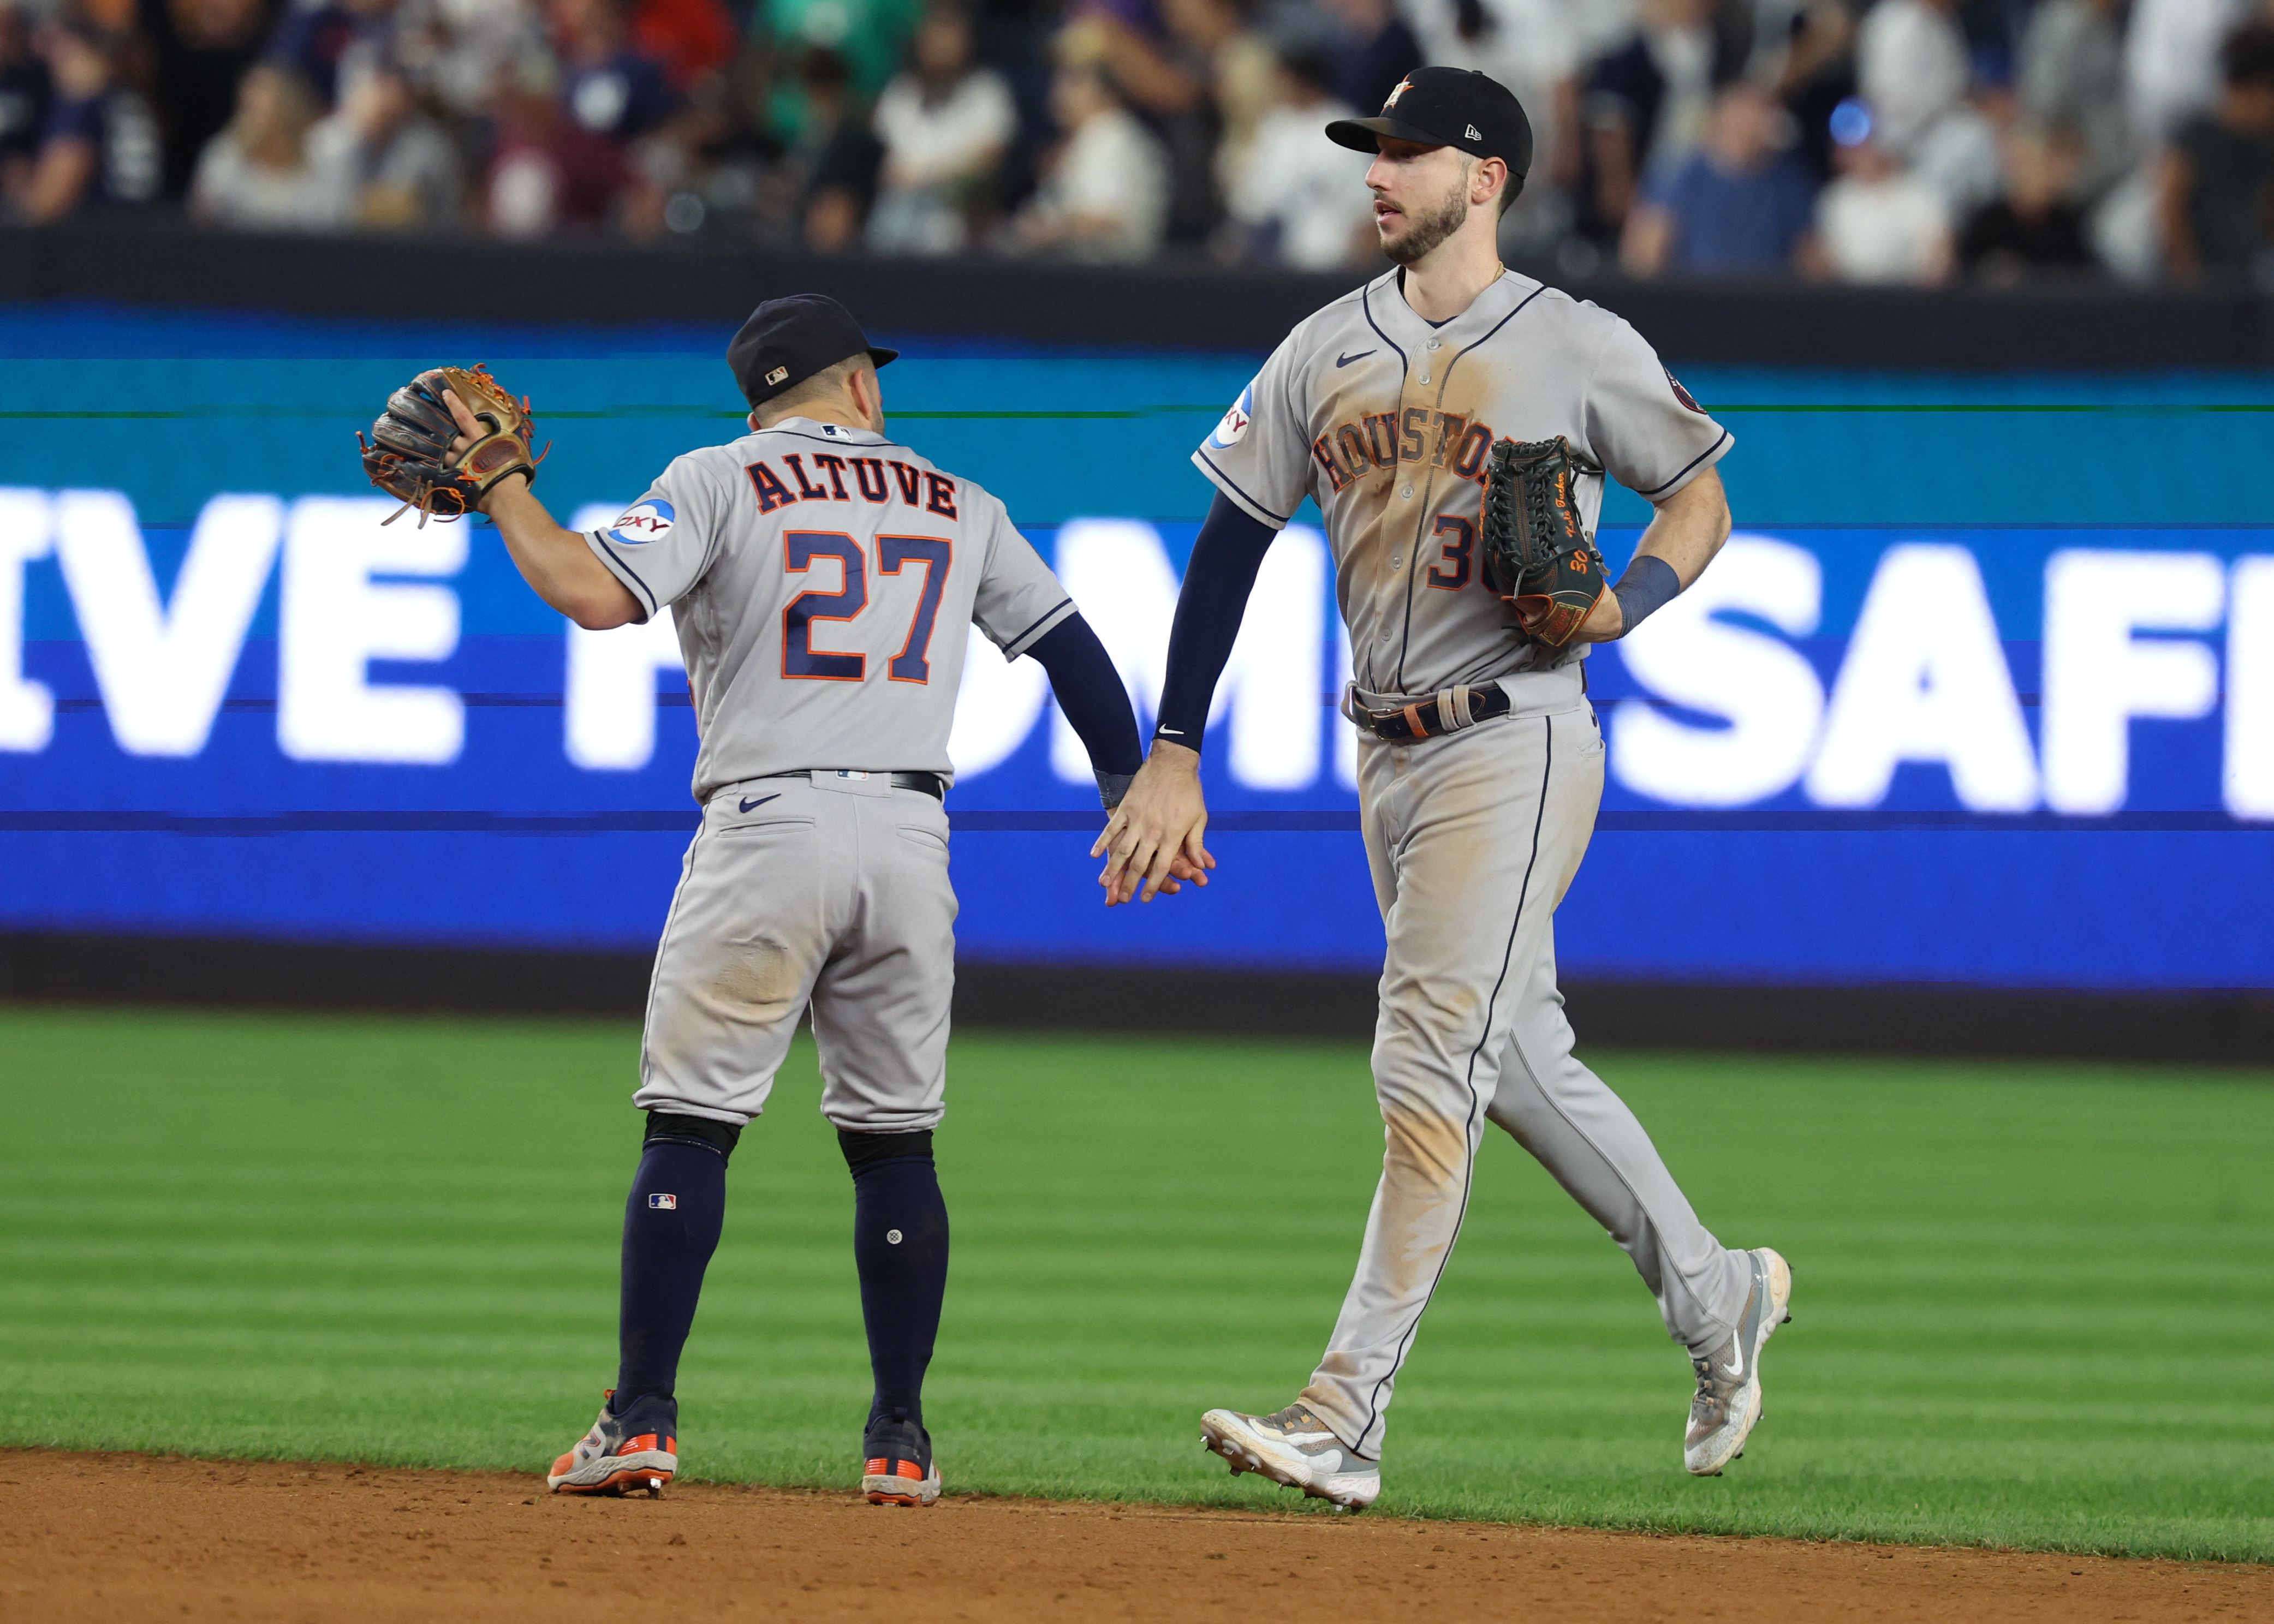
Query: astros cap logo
{"points": [[1403, 85]]}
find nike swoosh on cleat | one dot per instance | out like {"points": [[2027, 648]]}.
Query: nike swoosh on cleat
{"points": [[761, 801], [1343, 361]]}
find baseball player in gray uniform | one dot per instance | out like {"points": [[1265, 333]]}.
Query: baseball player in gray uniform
{"points": [[821, 577], [1480, 761]]}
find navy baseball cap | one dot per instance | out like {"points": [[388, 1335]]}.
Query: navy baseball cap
{"points": [[1448, 107], [789, 340]]}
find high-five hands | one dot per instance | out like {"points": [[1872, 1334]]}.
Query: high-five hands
{"points": [[1153, 840]]}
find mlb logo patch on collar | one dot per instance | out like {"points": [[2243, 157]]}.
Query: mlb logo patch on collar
{"points": [[663, 1203]]}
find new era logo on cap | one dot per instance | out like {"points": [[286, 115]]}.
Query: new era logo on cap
{"points": [[1475, 134], [663, 1203]]}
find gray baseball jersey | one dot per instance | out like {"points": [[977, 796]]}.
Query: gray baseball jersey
{"points": [[1387, 421], [821, 577], [1472, 836]]}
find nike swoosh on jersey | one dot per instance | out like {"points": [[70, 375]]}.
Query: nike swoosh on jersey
{"points": [[1343, 361], [751, 805]]}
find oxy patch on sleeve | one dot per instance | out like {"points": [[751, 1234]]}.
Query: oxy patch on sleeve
{"points": [[644, 521], [1233, 427]]}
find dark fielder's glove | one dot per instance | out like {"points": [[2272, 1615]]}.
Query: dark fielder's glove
{"points": [[1537, 553], [409, 453]]}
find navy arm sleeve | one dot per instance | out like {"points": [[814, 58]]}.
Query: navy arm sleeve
{"points": [[1225, 557], [1096, 705]]}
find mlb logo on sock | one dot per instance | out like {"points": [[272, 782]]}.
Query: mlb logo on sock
{"points": [[667, 1203]]}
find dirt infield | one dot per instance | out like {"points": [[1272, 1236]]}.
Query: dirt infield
{"points": [[121, 1537]]}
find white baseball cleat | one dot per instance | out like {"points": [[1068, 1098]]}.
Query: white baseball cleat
{"points": [[1729, 1402], [1294, 1447]]}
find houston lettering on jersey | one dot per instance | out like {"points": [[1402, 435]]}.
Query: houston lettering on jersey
{"points": [[1381, 441], [917, 487]]}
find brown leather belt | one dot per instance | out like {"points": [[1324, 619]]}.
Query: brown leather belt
{"points": [[1448, 710]]}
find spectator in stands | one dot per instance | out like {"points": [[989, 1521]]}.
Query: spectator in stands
{"points": [[386, 164], [2038, 224], [1739, 204], [606, 86], [255, 175], [197, 50], [462, 51], [25, 94], [1296, 198], [1163, 62], [1644, 107], [870, 36], [2172, 61], [837, 154], [1874, 223], [2219, 169], [1912, 64], [1104, 193], [944, 124], [100, 143], [1811, 65], [688, 39], [1237, 63], [1373, 50], [2072, 76], [547, 167], [1911, 67], [333, 40]]}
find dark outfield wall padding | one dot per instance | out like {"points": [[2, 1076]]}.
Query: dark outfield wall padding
{"points": [[2087, 325], [2224, 1027]]}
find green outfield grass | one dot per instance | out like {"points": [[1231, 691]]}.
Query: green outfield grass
{"points": [[2034, 1304]]}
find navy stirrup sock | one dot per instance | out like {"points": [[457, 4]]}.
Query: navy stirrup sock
{"points": [[899, 1243], [671, 1229]]}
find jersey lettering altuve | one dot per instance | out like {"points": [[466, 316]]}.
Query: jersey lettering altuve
{"points": [[821, 578], [1387, 421]]}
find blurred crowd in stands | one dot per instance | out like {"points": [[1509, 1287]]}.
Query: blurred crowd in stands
{"points": [[1908, 141]]}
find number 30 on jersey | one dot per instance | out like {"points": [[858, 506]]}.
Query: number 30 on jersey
{"points": [[802, 550]]}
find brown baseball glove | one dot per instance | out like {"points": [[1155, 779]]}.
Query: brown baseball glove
{"points": [[409, 453], [1537, 552]]}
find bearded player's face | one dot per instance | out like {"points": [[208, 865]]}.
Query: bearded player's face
{"points": [[1421, 196]]}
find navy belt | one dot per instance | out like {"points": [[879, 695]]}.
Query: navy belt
{"points": [[929, 783]]}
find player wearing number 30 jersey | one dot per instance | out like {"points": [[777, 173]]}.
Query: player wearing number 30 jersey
{"points": [[821, 577], [1479, 762]]}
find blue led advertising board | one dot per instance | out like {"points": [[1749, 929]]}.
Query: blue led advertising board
{"points": [[1998, 728]]}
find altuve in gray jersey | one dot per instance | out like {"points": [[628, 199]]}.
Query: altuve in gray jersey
{"points": [[1387, 421], [821, 577]]}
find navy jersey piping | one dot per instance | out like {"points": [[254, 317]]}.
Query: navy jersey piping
{"points": [[1469, 1174], [1210, 463], [1365, 302], [1686, 467], [652, 606], [1029, 632], [1405, 630]]}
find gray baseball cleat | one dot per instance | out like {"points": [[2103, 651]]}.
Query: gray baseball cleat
{"points": [[1294, 1447], [1729, 1402]]}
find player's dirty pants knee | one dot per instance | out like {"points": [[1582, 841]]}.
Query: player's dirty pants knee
{"points": [[1472, 839]]}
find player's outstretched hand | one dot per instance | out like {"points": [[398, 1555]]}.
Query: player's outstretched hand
{"points": [[1154, 837]]}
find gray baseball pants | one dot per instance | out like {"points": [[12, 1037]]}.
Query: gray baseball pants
{"points": [[1473, 838], [831, 889]]}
